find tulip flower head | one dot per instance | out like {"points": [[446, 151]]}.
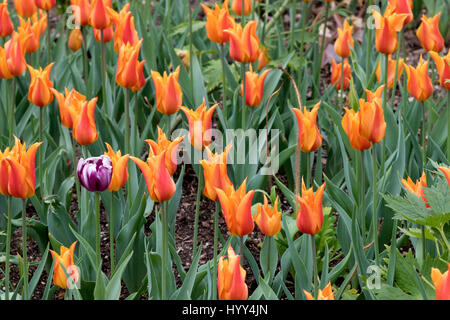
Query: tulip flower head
{"points": [[119, 166], [325, 294], [254, 87], [217, 21], [309, 137], [236, 208], [441, 283], [392, 64], [310, 215], [417, 188], [95, 173], [236, 6], [231, 278], [42, 21], [39, 92], [429, 35], [4, 70], [263, 59], [71, 100], [168, 92], [62, 261], [15, 54], [45, 4], [81, 10], [268, 219], [443, 68], [125, 31], [99, 17], [215, 173], [351, 123], [31, 33], [372, 95], [446, 172], [17, 170], [387, 27], [25, 8], [336, 74], [84, 130], [75, 40], [130, 71], [372, 123], [244, 43], [419, 83], [344, 41], [200, 125], [6, 25], [401, 7]]}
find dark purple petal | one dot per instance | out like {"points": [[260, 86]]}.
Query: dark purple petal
{"points": [[95, 173]]}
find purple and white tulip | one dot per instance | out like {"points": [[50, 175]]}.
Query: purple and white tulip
{"points": [[95, 173]]}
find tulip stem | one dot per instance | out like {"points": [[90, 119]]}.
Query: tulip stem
{"points": [[85, 60], [111, 234], [12, 122], [241, 249], [49, 49], [400, 45], [165, 249], [423, 136], [8, 247], [24, 251], [197, 210], [384, 106], [244, 109], [322, 45], [369, 39], [127, 120], [341, 91], [97, 233], [444, 237], [77, 183], [216, 240], [374, 204], [448, 126], [315, 271], [362, 193], [190, 46], [103, 64], [224, 78], [308, 169], [41, 187]]}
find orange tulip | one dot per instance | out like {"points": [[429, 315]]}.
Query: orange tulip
{"points": [[419, 83], [15, 54], [215, 173], [441, 283], [25, 8], [236, 6], [263, 59], [71, 100], [17, 170], [42, 22], [429, 35], [31, 33], [344, 41], [130, 72], [168, 91], [236, 208], [244, 43], [167, 146], [39, 92], [160, 184], [6, 25], [372, 126], [82, 13], [336, 74], [4, 70], [391, 71], [399, 7], [387, 27], [99, 17], [45, 4], [200, 125], [231, 278], [120, 171], [65, 258], [254, 87], [325, 294], [217, 21], [125, 31], [268, 219], [351, 122], [75, 40], [108, 34], [443, 68], [373, 95], [309, 137], [310, 215], [446, 172], [417, 188], [84, 129]]}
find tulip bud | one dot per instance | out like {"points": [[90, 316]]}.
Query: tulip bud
{"points": [[236, 6], [95, 173], [119, 166], [336, 74], [310, 215], [443, 68], [351, 123], [65, 258], [244, 43], [392, 64], [84, 129], [39, 92], [254, 87], [387, 27], [417, 188], [72, 102], [25, 8], [31, 33], [130, 72], [268, 219], [217, 21], [441, 283], [125, 31], [6, 25], [168, 91], [4, 71], [429, 35], [75, 40], [231, 278], [325, 294], [309, 137], [419, 83], [15, 54], [344, 41], [372, 126], [99, 18]]}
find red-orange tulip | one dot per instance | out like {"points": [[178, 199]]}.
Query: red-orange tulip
{"points": [[215, 173], [387, 27], [65, 258], [446, 172], [417, 188], [130, 71], [82, 12], [336, 74], [372, 95], [42, 21], [84, 129], [401, 7], [441, 283], [108, 34], [344, 41], [254, 87], [45, 4], [372, 125], [419, 83], [268, 219], [15, 54], [351, 122], [244, 43], [231, 278], [309, 137], [39, 92], [25, 8], [236, 208], [120, 171], [160, 184], [310, 215], [391, 71], [125, 31], [168, 91], [325, 294], [4, 70], [167, 146], [99, 17], [443, 68], [217, 21], [236, 6], [200, 125], [429, 35], [6, 25], [75, 40], [31, 33], [263, 59], [17, 170], [70, 103]]}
